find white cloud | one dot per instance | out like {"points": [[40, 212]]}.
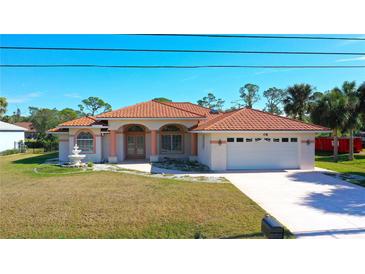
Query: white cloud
{"points": [[72, 95], [24, 98], [351, 59], [349, 42]]}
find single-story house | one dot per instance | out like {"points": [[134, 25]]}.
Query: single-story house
{"points": [[10, 136], [31, 132], [239, 139]]}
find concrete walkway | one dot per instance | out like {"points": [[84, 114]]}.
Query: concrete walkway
{"points": [[309, 203]]}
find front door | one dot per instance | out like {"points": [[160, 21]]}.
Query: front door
{"points": [[135, 147]]}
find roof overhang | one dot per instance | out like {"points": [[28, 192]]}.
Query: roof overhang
{"points": [[12, 130], [57, 132], [150, 119], [97, 126], [260, 131]]}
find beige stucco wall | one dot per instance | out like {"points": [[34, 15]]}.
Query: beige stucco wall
{"points": [[150, 124], [63, 147], [104, 147], [204, 149], [307, 151], [92, 157]]}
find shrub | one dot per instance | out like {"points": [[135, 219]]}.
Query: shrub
{"points": [[9, 152], [90, 164]]}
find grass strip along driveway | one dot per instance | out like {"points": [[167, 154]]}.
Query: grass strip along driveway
{"points": [[115, 205], [344, 166]]}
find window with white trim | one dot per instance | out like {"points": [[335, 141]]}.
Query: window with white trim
{"points": [[85, 141]]}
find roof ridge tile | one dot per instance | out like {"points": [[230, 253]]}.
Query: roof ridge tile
{"points": [[165, 104]]}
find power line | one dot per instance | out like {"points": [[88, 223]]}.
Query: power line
{"points": [[256, 36], [182, 50], [175, 67]]}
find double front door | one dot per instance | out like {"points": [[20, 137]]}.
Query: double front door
{"points": [[135, 146]]}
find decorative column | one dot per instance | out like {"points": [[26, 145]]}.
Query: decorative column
{"points": [[193, 147], [154, 155], [113, 147]]}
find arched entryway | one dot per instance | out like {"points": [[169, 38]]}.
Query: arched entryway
{"points": [[135, 141]]}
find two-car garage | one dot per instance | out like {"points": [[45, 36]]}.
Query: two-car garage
{"points": [[258, 152]]}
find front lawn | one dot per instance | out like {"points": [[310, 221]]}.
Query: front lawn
{"points": [[357, 166], [99, 204]]}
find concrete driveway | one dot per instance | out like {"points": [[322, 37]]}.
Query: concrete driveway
{"points": [[309, 203]]}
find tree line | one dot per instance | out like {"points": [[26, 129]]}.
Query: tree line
{"points": [[44, 119], [342, 108]]}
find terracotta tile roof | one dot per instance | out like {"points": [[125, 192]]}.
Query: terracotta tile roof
{"points": [[190, 107], [83, 121], [58, 130], [254, 120], [238, 120], [153, 109], [27, 125]]}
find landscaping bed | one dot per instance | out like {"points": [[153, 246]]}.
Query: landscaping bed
{"points": [[182, 165]]}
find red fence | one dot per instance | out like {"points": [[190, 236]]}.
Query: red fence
{"points": [[326, 144]]}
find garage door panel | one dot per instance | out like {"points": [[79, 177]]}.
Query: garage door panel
{"points": [[262, 155]]}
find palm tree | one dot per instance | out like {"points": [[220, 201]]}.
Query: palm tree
{"points": [[361, 94], [298, 101], [331, 111], [3, 106], [354, 118]]}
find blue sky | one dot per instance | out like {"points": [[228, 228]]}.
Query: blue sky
{"points": [[66, 87]]}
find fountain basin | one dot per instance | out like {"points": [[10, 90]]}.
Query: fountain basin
{"points": [[75, 157]]}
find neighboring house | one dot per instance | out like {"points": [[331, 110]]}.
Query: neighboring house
{"points": [[240, 139], [31, 132], [10, 136]]}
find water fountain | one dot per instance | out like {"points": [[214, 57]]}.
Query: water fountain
{"points": [[75, 157]]}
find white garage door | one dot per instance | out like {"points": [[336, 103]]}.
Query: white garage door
{"points": [[262, 153]]}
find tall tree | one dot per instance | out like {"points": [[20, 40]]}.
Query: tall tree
{"points": [[353, 108], [274, 97], [331, 111], [3, 106], [298, 101], [17, 116], [249, 95], [161, 99], [67, 114], [43, 119], [361, 94], [210, 101], [94, 105]]}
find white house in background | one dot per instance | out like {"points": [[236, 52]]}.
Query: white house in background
{"points": [[239, 139], [10, 136]]}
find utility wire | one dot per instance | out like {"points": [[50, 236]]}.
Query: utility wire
{"points": [[182, 50], [256, 36], [174, 67]]}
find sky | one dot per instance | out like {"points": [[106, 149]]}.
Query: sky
{"points": [[66, 87]]}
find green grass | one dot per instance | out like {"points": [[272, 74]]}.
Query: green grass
{"points": [[357, 166], [116, 205]]}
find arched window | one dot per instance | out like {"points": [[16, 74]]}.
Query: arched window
{"points": [[135, 129], [85, 141], [171, 139]]}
